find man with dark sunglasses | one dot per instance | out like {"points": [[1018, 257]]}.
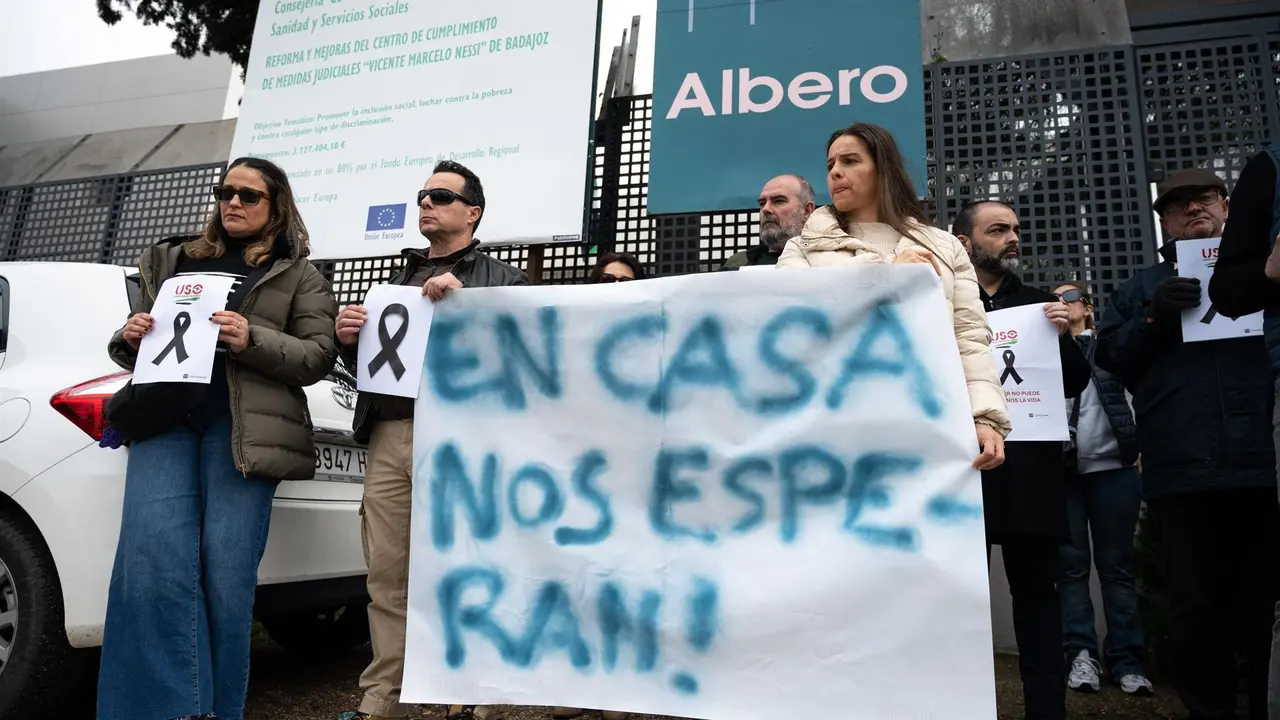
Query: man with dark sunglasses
{"points": [[1208, 465], [450, 207]]}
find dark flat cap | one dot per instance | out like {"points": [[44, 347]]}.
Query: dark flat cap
{"points": [[1189, 178]]}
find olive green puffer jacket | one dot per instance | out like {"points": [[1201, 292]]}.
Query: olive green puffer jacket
{"points": [[291, 313]]}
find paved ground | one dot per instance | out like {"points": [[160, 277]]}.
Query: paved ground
{"points": [[284, 687], [288, 687]]}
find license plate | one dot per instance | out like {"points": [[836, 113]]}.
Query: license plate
{"points": [[339, 463]]}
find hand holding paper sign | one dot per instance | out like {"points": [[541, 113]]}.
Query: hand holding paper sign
{"points": [[138, 326], [233, 329], [1176, 294], [1058, 315], [390, 354], [349, 322], [179, 343], [1185, 296], [1025, 347]]}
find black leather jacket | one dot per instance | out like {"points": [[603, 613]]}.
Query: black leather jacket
{"points": [[472, 268]]}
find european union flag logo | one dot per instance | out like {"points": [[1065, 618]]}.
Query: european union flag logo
{"points": [[385, 217]]}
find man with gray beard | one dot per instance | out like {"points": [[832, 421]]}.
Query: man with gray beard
{"points": [[785, 203], [1208, 462]]}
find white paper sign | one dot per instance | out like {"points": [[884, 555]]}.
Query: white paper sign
{"points": [[1024, 344], [359, 101], [741, 498], [393, 340], [181, 345], [1196, 259]]}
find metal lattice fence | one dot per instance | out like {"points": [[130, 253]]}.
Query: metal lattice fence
{"points": [[1056, 136], [1072, 140]]}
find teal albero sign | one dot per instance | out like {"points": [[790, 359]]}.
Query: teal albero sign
{"points": [[744, 90]]}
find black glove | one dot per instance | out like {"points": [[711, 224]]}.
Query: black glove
{"points": [[1174, 295]]}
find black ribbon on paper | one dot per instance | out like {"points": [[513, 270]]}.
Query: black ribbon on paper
{"points": [[1009, 370], [1210, 314], [181, 324], [390, 343]]}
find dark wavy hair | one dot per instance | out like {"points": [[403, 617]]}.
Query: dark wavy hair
{"points": [[285, 218], [608, 259]]}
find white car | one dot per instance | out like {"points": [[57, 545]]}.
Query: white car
{"points": [[61, 494]]}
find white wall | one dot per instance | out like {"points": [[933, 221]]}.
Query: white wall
{"points": [[146, 92]]}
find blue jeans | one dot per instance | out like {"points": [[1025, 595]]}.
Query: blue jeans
{"points": [[180, 604], [1104, 504]]}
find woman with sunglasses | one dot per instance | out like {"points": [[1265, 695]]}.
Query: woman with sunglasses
{"points": [[1104, 495], [199, 485], [615, 267]]}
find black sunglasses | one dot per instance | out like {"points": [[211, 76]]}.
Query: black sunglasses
{"points": [[248, 196], [442, 196], [610, 278], [1071, 296]]}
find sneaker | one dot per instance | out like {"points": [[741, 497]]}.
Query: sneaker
{"points": [[1085, 674], [1135, 684]]}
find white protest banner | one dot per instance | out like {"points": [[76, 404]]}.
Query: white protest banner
{"points": [[1196, 259], [709, 497], [358, 102], [393, 340], [1024, 344], [181, 345]]}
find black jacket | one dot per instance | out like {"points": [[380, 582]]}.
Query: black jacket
{"points": [[1239, 285], [1203, 408], [1119, 414], [473, 269], [758, 255], [1026, 495]]}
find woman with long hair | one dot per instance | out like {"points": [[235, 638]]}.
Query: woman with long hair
{"points": [[874, 217], [201, 478]]}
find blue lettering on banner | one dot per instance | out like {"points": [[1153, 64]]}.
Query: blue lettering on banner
{"points": [[799, 364], [702, 362], [802, 476], [553, 626], [818, 324], [450, 363]]}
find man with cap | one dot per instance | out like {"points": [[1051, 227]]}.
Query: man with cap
{"points": [[1208, 465]]}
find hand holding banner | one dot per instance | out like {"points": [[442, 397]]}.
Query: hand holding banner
{"points": [[181, 346], [1196, 259], [393, 340], [1024, 344]]}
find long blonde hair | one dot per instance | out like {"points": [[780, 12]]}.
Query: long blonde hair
{"points": [[285, 218]]}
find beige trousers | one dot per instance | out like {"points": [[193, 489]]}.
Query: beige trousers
{"points": [[384, 533]]}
